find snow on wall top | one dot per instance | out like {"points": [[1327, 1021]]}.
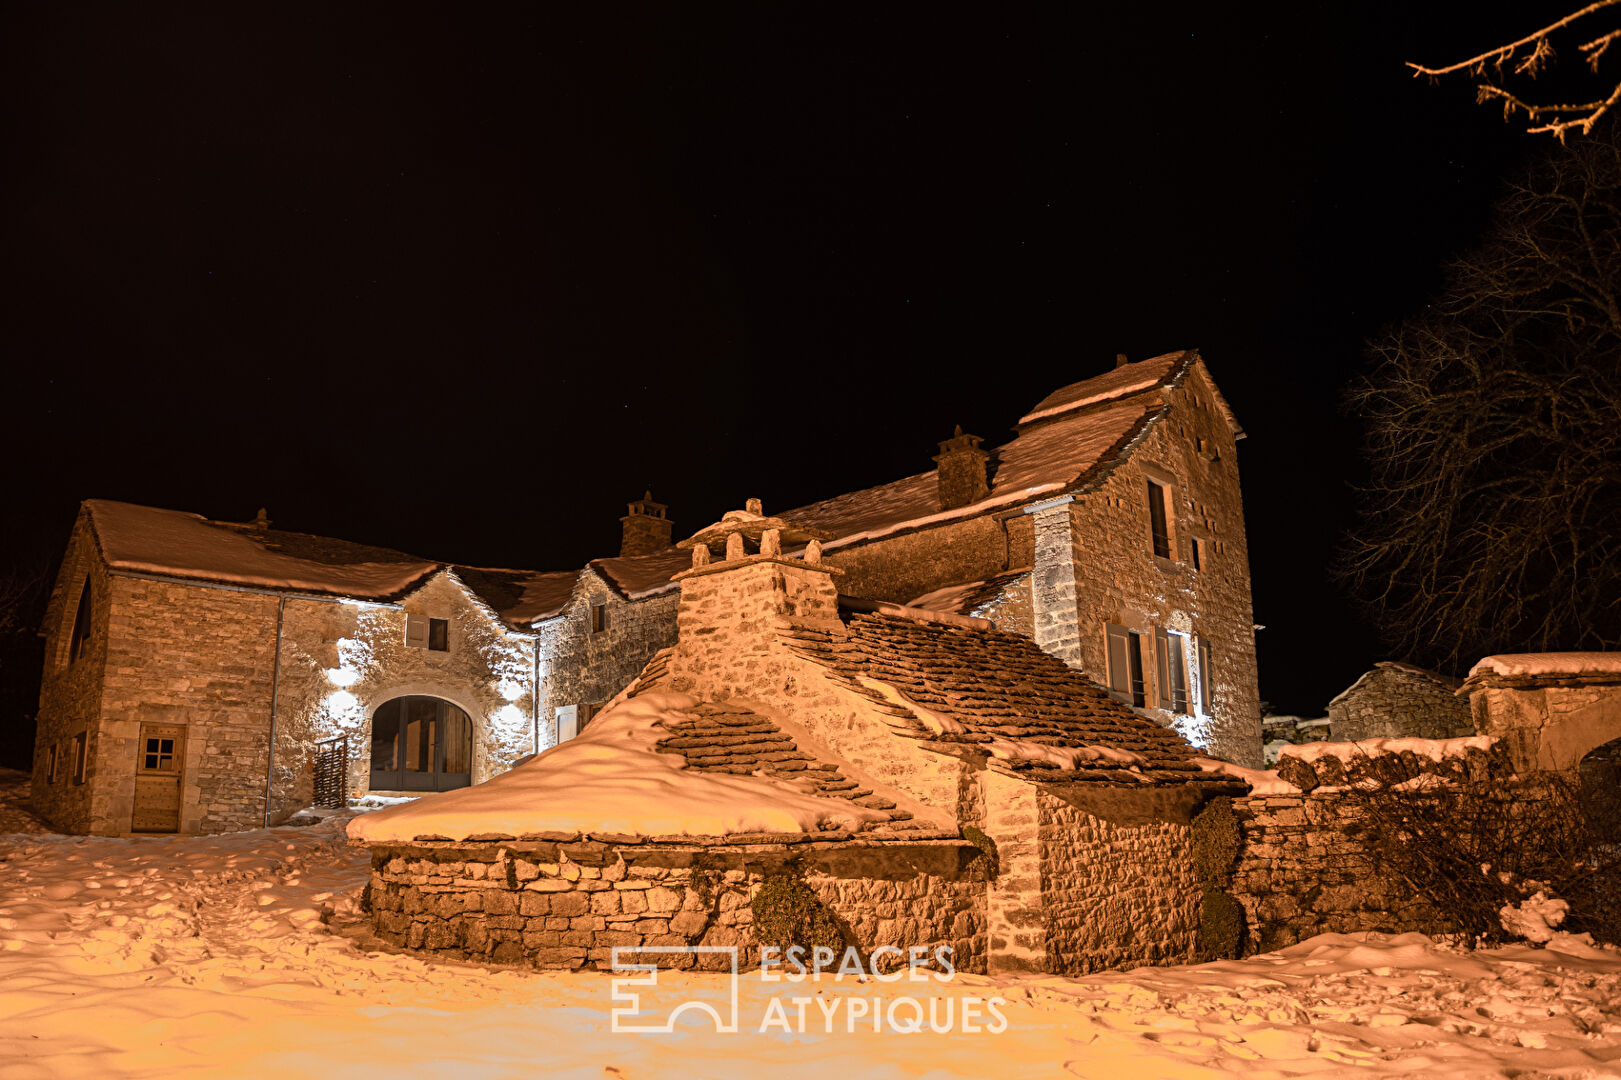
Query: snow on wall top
{"points": [[1529, 665], [612, 778]]}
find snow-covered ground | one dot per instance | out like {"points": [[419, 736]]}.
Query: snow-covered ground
{"points": [[244, 956]]}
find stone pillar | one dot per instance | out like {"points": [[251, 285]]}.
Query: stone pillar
{"points": [[1015, 920], [1052, 584]]}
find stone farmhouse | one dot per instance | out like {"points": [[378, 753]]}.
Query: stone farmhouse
{"points": [[203, 676], [937, 781]]}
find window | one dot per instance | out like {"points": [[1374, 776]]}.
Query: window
{"points": [[81, 752], [1126, 665], [50, 764], [422, 632], [1159, 518], [1196, 549], [158, 755], [1204, 675], [1171, 661], [82, 619], [599, 617], [421, 744]]}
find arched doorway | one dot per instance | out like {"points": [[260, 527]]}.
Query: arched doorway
{"points": [[420, 744]]}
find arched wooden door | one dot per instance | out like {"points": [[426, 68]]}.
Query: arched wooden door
{"points": [[420, 744]]}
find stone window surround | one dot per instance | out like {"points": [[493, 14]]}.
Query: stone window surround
{"points": [[1174, 527]]}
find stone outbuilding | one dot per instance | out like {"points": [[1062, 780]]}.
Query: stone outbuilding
{"points": [[1397, 700], [931, 778], [1553, 711]]}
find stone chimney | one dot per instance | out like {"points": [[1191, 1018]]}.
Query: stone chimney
{"points": [[1120, 360], [742, 586], [646, 529], [261, 520], [961, 470]]}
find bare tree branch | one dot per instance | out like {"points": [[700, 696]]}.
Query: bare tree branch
{"points": [[1492, 520], [1539, 55]]}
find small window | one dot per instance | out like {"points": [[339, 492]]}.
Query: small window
{"points": [[1159, 504], [599, 617], [82, 620], [50, 764], [81, 753], [1204, 675], [158, 755], [1126, 665], [1171, 660], [1196, 550], [439, 635]]}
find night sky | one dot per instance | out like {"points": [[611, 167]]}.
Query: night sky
{"points": [[463, 280]]}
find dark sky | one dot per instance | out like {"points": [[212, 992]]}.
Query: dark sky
{"points": [[462, 280]]}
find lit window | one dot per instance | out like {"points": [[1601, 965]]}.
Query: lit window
{"points": [[1159, 515], [1126, 665], [1171, 660]]}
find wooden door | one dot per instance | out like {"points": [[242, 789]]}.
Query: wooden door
{"points": [[158, 766]]}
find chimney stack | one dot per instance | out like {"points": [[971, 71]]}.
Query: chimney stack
{"points": [[646, 529], [961, 470], [1120, 360], [262, 519]]}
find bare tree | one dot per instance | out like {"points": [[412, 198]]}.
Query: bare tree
{"points": [[1531, 56], [1492, 520]]}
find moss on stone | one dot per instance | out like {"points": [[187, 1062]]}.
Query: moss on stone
{"points": [[1216, 843], [787, 912], [1221, 926], [987, 847]]}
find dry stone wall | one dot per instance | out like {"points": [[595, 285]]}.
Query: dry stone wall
{"points": [[568, 903], [1306, 867]]}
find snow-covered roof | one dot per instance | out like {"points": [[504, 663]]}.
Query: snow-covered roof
{"points": [[1122, 381], [1549, 665], [1446, 682], [172, 543]]}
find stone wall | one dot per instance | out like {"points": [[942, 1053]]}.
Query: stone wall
{"points": [[588, 669], [203, 658], [1118, 580], [1398, 701], [567, 903], [1547, 723], [907, 564], [1305, 866], [341, 661], [70, 692]]}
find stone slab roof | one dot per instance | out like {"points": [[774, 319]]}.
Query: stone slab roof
{"points": [[731, 737], [1398, 667], [636, 576], [987, 692]]}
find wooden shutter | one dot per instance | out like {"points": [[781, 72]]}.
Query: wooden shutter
{"points": [[568, 722], [1119, 662], [1176, 654], [1204, 674], [416, 631], [1162, 669]]}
